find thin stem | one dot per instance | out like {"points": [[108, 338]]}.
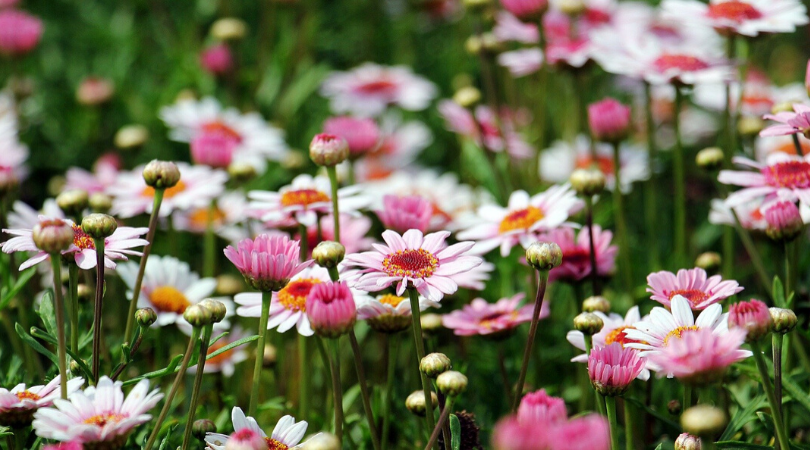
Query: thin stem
{"points": [[621, 222], [361, 378], [751, 249], [97, 307], [628, 426], [195, 392], [687, 396], [73, 310], [788, 269], [797, 144], [20, 439], [257, 368], [448, 407], [505, 377], [195, 335], [538, 305], [650, 205], [56, 264], [610, 407], [209, 247], [680, 190], [150, 236], [306, 381], [419, 343], [336, 389], [777, 339], [304, 239], [332, 172], [591, 246], [762, 366], [393, 347]]}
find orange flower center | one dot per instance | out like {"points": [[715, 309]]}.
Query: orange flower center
{"points": [[678, 332], [603, 163], [303, 197], [149, 191], [81, 239], [222, 129], [790, 149], [619, 335], [169, 299], [521, 220], [734, 10], [103, 419], [788, 174], [27, 395], [410, 263], [294, 295], [199, 217], [391, 299], [273, 444], [684, 63], [695, 296]]}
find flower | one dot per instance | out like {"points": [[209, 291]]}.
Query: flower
{"points": [[400, 143], [700, 357], [227, 217], [217, 59], [522, 62], [612, 368], [403, 213], [94, 91], [226, 361], [528, 9], [742, 17], [362, 135], [198, 185], [13, 153], [19, 32], [784, 221], [246, 138], [783, 176], [693, 285], [17, 406], [267, 262], [576, 261], [369, 89], [609, 120], [425, 263], [304, 199], [541, 407], [498, 131], [521, 219], [83, 250], [796, 122], [105, 173], [752, 316], [749, 214], [99, 415], [245, 439], [487, 319], [388, 313], [475, 278], [588, 432], [509, 28], [331, 310], [72, 445], [352, 232], [286, 434]]}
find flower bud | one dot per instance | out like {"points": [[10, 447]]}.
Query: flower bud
{"points": [[431, 323], [490, 43], [750, 126], [100, 202], [72, 202], [131, 136], [784, 221], [473, 45], [609, 120], [451, 383], [476, 5], [467, 97], [588, 323], [708, 261], [94, 91], [293, 160], [99, 226], [85, 291], [331, 309], [544, 256], [710, 158], [328, 254], [269, 356], [572, 7], [52, 236], [161, 174], [416, 402], [197, 315], [587, 182], [328, 150], [216, 308], [784, 320], [241, 172], [56, 185], [230, 285], [322, 441], [228, 29], [74, 367], [145, 317], [687, 442], [704, 421], [674, 407], [752, 316], [201, 427], [434, 364], [596, 303], [782, 107]]}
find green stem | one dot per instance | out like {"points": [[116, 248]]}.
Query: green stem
{"points": [[610, 407], [762, 366], [751, 249], [336, 389], [20, 438], [150, 236], [591, 246], [195, 392], [777, 340], [330, 170], [304, 239], [680, 189], [628, 426], [393, 347], [621, 223], [789, 263], [59, 306], [538, 305], [73, 309], [361, 378], [327, 366], [210, 255], [434, 437], [257, 368], [97, 307], [650, 205], [797, 145], [419, 343], [306, 381], [687, 396]]}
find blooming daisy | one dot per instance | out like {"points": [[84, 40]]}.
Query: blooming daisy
{"points": [[17, 406], [475, 279], [388, 313], [779, 144], [750, 214], [522, 62], [99, 416], [509, 28], [491, 319], [287, 433], [369, 89], [539, 406], [700, 357], [784, 176], [758, 96], [521, 219], [267, 262], [743, 17], [24, 216], [13, 153], [693, 285], [576, 263], [413, 260], [198, 185], [105, 173], [498, 133], [219, 137], [226, 361], [796, 122]]}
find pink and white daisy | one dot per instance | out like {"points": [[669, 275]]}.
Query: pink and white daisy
{"points": [[758, 97], [522, 62], [509, 28], [779, 144], [286, 434], [796, 122], [388, 313], [528, 9], [523, 217], [475, 279], [700, 357], [612, 368], [589, 432], [362, 134], [753, 317], [83, 250], [20, 32], [13, 153], [739, 17], [491, 319], [369, 89], [224, 136], [783, 176], [425, 263], [576, 264], [99, 415], [226, 361], [541, 407], [17, 406], [198, 185], [750, 214], [105, 173], [267, 262], [72, 445], [24, 216], [304, 199], [331, 309], [692, 284], [498, 133]]}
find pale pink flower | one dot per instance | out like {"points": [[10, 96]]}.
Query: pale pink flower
{"points": [[780, 144], [13, 153], [245, 439], [522, 62], [510, 433], [753, 317], [700, 357], [17, 406], [217, 59], [425, 263], [796, 122], [510, 28], [498, 135], [93, 91], [227, 216], [693, 284], [590, 432], [784, 220], [541, 407], [576, 264], [20, 32], [403, 213], [783, 176], [475, 279], [267, 262], [8, 3], [105, 173], [612, 368], [286, 434], [491, 319], [739, 17], [331, 309], [361, 134], [750, 214], [214, 148], [400, 144], [525, 9], [609, 120]]}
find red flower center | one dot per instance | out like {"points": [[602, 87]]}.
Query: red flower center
{"points": [[105, 418], [603, 163], [27, 395], [294, 295], [684, 63], [303, 197], [81, 239], [695, 296], [410, 263], [734, 10], [273, 444], [522, 219], [788, 174], [377, 87], [221, 129]]}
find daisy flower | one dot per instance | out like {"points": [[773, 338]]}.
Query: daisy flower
{"points": [[539, 406], [700, 357], [388, 313], [24, 216], [105, 172], [779, 144], [784, 176], [491, 319], [509, 28], [198, 185], [523, 217], [231, 135], [750, 214], [13, 154], [796, 122], [425, 263], [21, 32], [475, 279], [83, 250], [99, 416], [758, 97], [287, 433], [576, 263], [369, 89], [304, 199], [739, 17], [522, 62], [692, 284], [498, 132], [17, 406], [267, 263], [226, 361]]}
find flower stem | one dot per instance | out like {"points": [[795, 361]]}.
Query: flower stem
{"points": [[680, 190], [448, 408], [788, 269], [393, 347], [332, 172], [797, 144], [192, 342], [303, 368], [621, 222], [650, 203], [336, 389], [209, 261], [73, 309], [762, 366], [420, 353], [610, 407], [304, 239], [628, 426], [538, 305], [751, 249], [56, 263], [97, 308], [150, 236], [361, 378], [777, 340], [592, 253], [731, 146], [687, 396], [257, 368], [195, 392]]}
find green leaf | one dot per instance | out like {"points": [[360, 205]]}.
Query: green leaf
{"points": [[34, 344], [165, 441], [232, 345], [455, 432], [743, 416], [47, 313], [796, 392], [779, 293], [734, 445], [669, 422], [41, 334], [21, 282]]}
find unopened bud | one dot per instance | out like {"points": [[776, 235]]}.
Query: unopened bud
{"points": [[197, 316], [476, 5], [100, 202], [241, 172], [293, 160], [328, 150], [416, 402], [431, 322], [572, 7], [201, 427], [451, 383], [75, 368], [228, 29], [784, 320], [99, 226], [145, 317], [588, 182], [588, 323], [72, 202], [467, 96], [490, 43], [84, 291], [710, 158], [544, 256], [328, 254], [230, 285], [131, 136], [216, 308], [322, 441], [434, 364], [269, 356], [704, 421], [473, 45], [52, 236], [161, 174], [596, 303], [687, 442], [750, 126], [708, 261]]}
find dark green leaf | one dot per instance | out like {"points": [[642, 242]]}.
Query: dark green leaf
{"points": [[34, 344], [47, 313], [21, 282], [732, 445], [455, 432]]}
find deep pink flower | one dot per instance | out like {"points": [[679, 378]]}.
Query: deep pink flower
{"points": [[693, 285], [267, 262], [331, 309], [609, 120], [525, 9], [612, 368], [784, 220], [363, 135], [783, 176], [19, 32], [539, 406], [752, 317], [217, 59], [498, 131], [403, 213], [794, 122], [590, 432], [700, 356], [483, 318], [510, 433], [8, 3], [72, 445], [576, 263], [214, 147]]}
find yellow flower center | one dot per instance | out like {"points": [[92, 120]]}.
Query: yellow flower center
{"points": [[391, 299], [104, 419], [149, 191], [618, 335], [410, 263], [169, 299], [27, 395], [678, 332], [294, 295], [521, 220], [199, 217], [81, 239], [303, 197], [273, 444]]}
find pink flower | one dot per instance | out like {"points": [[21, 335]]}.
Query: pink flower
{"points": [[487, 319], [794, 122], [786, 177], [589, 432], [510, 28], [700, 356], [739, 17], [693, 285], [784, 220], [17, 406], [72, 445], [525, 9], [612, 368], [352, 232], [541, 407], [245, 439], [475, 279], [362, 135], [105, 173], [752, 317], [214, 147], [403, 213], [510, 433], [19, 32], [217, 59], [576, 263], [498, 132], [331, 309], [609, 120], [425, 263], [8, 3], [94, 91], [267, 262]]}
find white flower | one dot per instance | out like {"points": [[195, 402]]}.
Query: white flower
{"points": [[744, 17], [287, 432]]}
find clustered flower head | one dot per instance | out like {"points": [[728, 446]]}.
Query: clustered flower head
{"points": [[612, 368]]}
